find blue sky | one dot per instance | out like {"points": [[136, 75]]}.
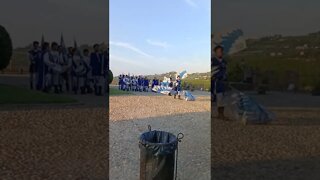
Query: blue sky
{"points": [[149, 37]]}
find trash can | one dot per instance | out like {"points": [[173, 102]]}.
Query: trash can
{"points": [[158, 155]]}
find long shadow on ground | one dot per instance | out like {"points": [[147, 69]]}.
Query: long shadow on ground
{"points": [[281, 169]]}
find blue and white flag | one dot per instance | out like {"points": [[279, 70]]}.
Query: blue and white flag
{"points": [[42, 40], [182, 74], [77, 50], [62, 44]]}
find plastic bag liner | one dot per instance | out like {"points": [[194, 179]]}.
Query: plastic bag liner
{"points": [[157, 155]]}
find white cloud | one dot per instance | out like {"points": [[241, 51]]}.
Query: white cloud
{"points": [[120, 64], [130, 47], [125, 61], [191, 3], [158, 43]]}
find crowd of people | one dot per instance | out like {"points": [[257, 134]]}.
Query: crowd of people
{"points": [[139, 83], [56, 68], [134, 83]]}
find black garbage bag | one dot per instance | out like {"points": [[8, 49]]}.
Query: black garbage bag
{"points": [[157, 155]]}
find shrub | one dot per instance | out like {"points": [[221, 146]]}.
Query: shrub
{"points": [[5, 48]]}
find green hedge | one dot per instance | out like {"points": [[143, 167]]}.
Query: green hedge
{"points": [[5, 48]]}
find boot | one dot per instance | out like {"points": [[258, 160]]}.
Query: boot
{"points": [[56, 90], [221, 113], [179, 97], [89, 90], [67, 87], [75, 90], [100, 91], [83, 90], [95, 90], [60, 88], [45, 90]]}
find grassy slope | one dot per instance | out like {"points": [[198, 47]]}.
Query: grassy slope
{"points": [[258, 56], [116, 92], [198, 83]]}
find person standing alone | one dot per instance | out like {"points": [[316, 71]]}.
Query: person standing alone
{"points": [[219, 67], [35, 58], [96, 65]]}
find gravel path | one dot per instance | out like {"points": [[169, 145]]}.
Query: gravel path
{"points": [[286, 149], [129, 117]]}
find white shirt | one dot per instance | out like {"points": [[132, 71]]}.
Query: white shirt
{"points": [[46, 60]]}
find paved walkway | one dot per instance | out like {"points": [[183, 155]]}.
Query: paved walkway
{"points": [[288, 100]]}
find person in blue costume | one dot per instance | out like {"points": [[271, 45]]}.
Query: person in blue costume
{"points": [[105, 70], [79, 72], [133, 83], [96, 63], [56, 68], [146, 84], [47, 64], [177, 88], [219, 65], [140, 82], [35, 58], [41, 68], [153, 83], [88, 76], [120, 82], [62, 60]]}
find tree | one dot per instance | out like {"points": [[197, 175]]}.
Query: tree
{"points": [[5, 48], [110, 76]]}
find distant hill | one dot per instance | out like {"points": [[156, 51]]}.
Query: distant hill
{"points": [[281, 60], [192, 76], [287, 46], [193, 80]]}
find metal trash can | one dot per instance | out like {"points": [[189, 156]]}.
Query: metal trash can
{"points": [[158, 155]]}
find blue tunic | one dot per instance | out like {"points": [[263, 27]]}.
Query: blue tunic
{"points": [[146, 82], [120, 81], [46, 67], [36, 58], [140, 80], [156, 82], [40, 70], [153, 83], [178, 85], [219, 78], [96, 64], [106, 63]]}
